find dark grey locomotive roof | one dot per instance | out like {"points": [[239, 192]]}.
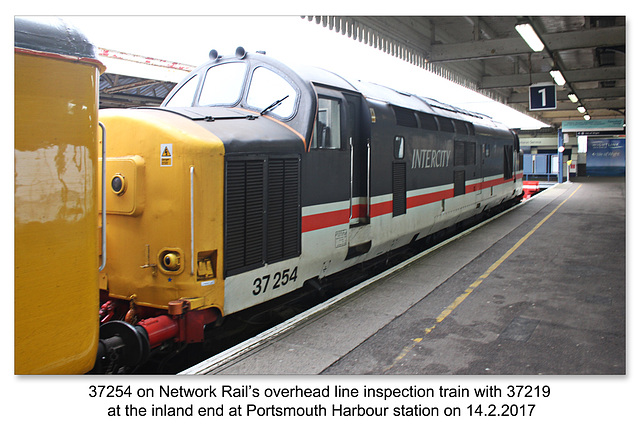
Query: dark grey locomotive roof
{"points": [[374, 91], [52, 35], [306, 77], [323, 77]]}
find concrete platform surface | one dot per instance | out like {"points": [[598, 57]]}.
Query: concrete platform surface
{"points": [[540, 290]]}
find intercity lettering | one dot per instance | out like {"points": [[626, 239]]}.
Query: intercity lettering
{"points": [[423, 158]]}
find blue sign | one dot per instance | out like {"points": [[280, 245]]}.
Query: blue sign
{"points": [[606, 157], [542, 97]]}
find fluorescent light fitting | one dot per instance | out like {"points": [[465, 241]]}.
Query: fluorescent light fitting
{"points": [[582, 110], [587, 117], [558, 77], [573, 97], [529, 35]]}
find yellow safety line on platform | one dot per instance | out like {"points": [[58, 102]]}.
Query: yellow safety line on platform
{"points": [[447, 311]]}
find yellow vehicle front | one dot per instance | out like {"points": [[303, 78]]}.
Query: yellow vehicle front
{"points": [[164, 227], [56, 194], [165, 176]]}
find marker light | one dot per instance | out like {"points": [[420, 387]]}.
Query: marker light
{"points": [[118, 184]]}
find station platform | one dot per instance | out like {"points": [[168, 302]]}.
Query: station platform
{"points": [[538, 290]]}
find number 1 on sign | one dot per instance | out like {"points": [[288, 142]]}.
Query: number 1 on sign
{"points": [[543, 93]]}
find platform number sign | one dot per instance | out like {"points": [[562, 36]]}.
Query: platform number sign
{"points": [[542, 97]]}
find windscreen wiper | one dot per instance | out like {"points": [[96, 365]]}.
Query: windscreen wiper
{"points": [[197, 116], [272, 106]]}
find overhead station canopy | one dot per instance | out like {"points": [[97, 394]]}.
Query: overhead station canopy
{"points": [[135, 80], [488, 55]]}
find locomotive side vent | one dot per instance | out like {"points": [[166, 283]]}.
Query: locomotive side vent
{"points": [[405, 117], [283, 214], [262, 212], [428, 121], [458, 153], [244, 214], [399, 188]]}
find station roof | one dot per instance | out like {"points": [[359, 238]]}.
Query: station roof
{"points": [[485, 54], [134, 80]]}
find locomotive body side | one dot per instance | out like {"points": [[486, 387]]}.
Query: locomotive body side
{"points": [[56, 200], [400, 173]]}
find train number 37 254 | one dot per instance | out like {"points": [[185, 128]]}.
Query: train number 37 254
{"points": [[280, 278]]}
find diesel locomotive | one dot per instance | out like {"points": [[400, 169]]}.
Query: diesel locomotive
{"points": [[253, 178]]}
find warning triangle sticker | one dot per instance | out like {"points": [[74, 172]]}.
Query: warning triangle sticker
{"points": [[166, 152]]}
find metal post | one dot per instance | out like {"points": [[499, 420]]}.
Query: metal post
{"points": [[560, 151], [104, 196]]}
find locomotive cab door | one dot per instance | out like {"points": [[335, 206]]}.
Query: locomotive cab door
{"points": [[360, 154], [327, 163], [339, 153], [338, 130]]}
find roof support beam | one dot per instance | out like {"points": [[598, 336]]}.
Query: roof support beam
{"points": [[482, 49], [573, 76], [614, 104]]}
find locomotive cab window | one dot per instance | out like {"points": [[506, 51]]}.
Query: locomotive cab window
{"points": [[398, 147], [223, 84], [184, 96], [487, 150], [328, 130], [269, 89]]}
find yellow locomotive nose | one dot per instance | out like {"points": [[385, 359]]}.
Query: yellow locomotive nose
{"points": [[164, 218]]}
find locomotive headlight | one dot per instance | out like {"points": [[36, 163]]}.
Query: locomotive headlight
{"points": [[171, 261], [118, 184]]}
